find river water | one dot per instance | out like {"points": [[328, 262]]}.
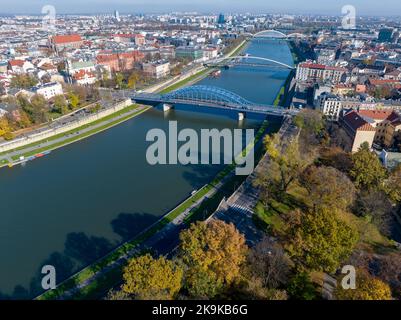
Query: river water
{"points": [[79, 202]]}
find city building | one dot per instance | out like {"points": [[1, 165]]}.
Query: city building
{"points": [[386, 35], [358, 129], [48, 90], [117, 62], [318, 72], [210, 53], [387, 123], [157, 70], [192, 53], [61, 42]]}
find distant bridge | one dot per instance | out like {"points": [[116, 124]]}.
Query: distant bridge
{"points": [[212, 97], [274, 34], [246, 60]]}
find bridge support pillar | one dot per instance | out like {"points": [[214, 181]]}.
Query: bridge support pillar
{"points": [[167, 107], [241, 116]]}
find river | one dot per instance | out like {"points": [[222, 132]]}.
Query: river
{"points": [[79, 202]]}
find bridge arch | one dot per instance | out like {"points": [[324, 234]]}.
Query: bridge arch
{"points": [[244, 57], [296, 35], [207, 94], [279, 33]]}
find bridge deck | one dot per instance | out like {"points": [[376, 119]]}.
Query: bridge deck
{"points": [[256, 108]]}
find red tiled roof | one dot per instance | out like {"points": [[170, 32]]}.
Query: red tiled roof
{"points": [[377, 82], [356, 122], [376, 114], [82, 73], [16, 63], [320, 66], [128, 35], [67, 39]]}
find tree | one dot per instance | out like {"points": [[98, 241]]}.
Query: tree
{"points": [[367, 171], [393, 183], [73, 100], [39, 108], [119, 80], [118, 295], [328, 187], [335, 157], [269, 262], [301, 287], [4, 127], [375, 206], [60, 104], [23, 81], [148, 278], [319, 240], [284, 167], [389, 271], [367, 288], [310, 120], [133, 80], [213, 253]]}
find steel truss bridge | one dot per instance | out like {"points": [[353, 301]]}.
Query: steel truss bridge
{"points": [[211, 97]]}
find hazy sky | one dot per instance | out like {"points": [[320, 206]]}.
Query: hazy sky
{"points": [[364, 7]]}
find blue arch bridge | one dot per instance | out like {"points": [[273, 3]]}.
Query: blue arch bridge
{"points": [[211, 97]]}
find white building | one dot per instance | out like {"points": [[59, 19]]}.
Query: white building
{"points": [[157, 69], [318, 72], [330, 105], [48, 90], [210, 53]]}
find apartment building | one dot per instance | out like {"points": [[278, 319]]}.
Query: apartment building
{"points": [[157, 70], [318, 72], [48, 90]]}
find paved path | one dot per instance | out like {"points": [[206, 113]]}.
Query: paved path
{"points": [[239, 208], [162, 243], [49, 143]]}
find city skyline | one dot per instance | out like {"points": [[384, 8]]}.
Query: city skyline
{"points": [[253, 6]]}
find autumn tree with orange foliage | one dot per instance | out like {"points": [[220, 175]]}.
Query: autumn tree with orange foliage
{"points": [[147, 278], [213, 253]]}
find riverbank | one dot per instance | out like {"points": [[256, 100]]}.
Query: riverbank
{"points": [[106, 272], [18, 155], [74, 135]]}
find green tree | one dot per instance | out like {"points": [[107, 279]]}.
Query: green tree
{"points": [[284, 168], [39, 108], [367, 171], [310, 120], [320, 241], [367, 288], [73, 100], [119, 80], [148, 278], [23, 81], [60, 104], [301, 287], [213, 253]]}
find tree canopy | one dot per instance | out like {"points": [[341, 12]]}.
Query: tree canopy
{"points": [[367, 288], [320, 240], [153, 279], [367, 171], [328, 187], [213, 253]]}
